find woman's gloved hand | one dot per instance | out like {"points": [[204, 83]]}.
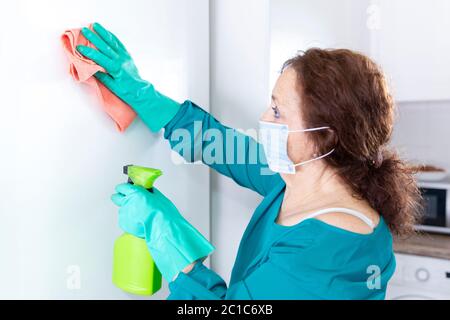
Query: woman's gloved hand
{"points": [[172, 241], [123, 78]]}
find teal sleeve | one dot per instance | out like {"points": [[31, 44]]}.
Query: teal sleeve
{"points": [[201, 283], [197, 136]]}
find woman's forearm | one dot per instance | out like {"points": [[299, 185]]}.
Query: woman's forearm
{"points": [[187, 269]]}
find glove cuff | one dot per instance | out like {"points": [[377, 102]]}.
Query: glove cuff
{"points": [[158, 109], [171, 258]]}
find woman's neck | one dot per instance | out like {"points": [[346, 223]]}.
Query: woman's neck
{"points": [[313, 186]]}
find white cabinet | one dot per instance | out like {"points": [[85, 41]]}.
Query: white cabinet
{"points": [[410, 39], [412, 44]]}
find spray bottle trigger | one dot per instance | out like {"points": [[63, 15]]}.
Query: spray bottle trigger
{"points": [[131, 182]]}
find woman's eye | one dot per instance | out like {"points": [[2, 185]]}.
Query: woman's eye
{"points": [[276, 112]]}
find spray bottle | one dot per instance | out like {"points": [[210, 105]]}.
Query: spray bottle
{"points": [[134, 270]]}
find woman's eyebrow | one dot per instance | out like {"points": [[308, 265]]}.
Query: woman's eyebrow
{"points": [[275, 99]]}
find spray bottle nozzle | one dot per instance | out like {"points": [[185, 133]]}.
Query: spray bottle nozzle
{"points": [[141, 176], [125, 169]]}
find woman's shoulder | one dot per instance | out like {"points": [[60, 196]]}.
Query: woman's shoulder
{"points": [[337, 216], [349, 222]]}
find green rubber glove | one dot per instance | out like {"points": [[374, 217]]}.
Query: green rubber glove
{"points": [[123, 78], [172, 241]]}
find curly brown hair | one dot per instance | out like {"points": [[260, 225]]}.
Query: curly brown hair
{"points": [[348, 92]]}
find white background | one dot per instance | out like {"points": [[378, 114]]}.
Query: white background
{"points": [[61, 155]]}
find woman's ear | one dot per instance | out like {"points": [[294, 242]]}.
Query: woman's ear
{"points": [[334, 135], [332, 139]]}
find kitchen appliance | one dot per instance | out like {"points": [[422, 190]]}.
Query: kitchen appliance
{"points": [[419, 278], [436, 206]]}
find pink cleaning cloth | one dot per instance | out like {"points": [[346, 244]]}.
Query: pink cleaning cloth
{"points": [[83, 70]]}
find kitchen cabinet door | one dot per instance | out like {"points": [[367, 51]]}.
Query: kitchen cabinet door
{"points": [[412, 43]]}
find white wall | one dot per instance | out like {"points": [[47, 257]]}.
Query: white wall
{"points": [[61, 156], [303, 24], [422, 130]]}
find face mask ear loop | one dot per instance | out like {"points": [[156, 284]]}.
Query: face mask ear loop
{"points": [[321, 157], [310, 130]]}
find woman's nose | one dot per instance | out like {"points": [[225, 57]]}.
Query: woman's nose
{"points": [[266, 115]]}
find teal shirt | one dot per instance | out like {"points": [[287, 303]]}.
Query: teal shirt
{"points": [[310, 260]]}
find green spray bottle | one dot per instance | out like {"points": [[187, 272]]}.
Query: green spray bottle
{"points": [[134, 270]]}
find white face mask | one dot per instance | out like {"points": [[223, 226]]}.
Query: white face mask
{"points": [[274, 138]]}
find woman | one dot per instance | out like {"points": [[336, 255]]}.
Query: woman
{"points": [[332, 197]]}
